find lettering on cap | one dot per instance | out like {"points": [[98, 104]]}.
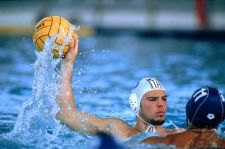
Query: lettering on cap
{"points": [[201, 93], [154, 83]]}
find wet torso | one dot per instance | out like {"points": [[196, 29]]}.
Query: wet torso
{"points": [[190, 139]]}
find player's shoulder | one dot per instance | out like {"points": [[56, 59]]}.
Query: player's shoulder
{"points": [[174, 131]]}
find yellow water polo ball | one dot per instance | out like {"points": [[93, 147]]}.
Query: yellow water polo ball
{"points": [[53, 25]]}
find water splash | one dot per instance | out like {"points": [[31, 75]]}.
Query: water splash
{"points": [[67, 39], [36, 122]]}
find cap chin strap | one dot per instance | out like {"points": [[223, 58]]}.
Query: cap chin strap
{"points": [[150, 128]]}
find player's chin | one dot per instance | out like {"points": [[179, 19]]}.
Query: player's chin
{"points": [[160, 119]]}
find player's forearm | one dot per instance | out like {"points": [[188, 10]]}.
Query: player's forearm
{"points": [[66, 97]]}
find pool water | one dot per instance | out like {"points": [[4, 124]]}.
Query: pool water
{"points": [[106, 69]]}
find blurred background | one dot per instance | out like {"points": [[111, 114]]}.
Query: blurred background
{"points": [[145, 17]]}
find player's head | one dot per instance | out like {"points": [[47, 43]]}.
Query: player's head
{"points": [[141, 100], [206, 108]]}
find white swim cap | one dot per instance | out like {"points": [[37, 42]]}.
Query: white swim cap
{"points": [[145, 85]]}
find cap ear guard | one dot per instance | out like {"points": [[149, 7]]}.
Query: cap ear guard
{"points": [[133, 102]]}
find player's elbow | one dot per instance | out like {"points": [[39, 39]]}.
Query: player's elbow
{"points": [[63, 117], [68, 119], [59, 115]]}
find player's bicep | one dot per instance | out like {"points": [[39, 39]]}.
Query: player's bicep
{"points": [[85, 122]]}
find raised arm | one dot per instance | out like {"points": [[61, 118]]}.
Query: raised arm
{"points": [[68, 113]]}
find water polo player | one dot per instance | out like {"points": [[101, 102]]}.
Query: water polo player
{"points": [[148, 100], [205, 111]]}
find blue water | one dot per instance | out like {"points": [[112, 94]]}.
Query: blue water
{"points": [[106, 70]]}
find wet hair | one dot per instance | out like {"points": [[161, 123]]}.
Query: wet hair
{"points": [[206, 108]]}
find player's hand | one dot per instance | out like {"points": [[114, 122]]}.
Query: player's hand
{"points": [[71, 55]]}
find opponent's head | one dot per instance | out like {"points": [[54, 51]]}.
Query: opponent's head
{"points": [[143, 86], [206, 108]]}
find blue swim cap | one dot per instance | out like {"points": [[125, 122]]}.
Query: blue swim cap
{"points": [[206, 108]]}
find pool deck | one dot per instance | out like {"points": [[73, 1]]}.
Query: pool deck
{"points": [[180, 16]]}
